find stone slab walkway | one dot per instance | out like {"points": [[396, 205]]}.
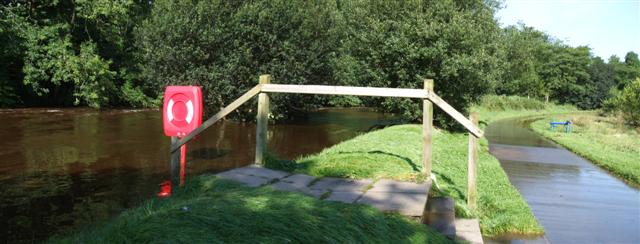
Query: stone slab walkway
{"points": [[468, 230], [407, 198]]}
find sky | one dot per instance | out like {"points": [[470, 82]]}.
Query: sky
{"points": [[609, 27]]}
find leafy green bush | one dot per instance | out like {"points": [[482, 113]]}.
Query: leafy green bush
{"points": [[52, 65], [627, 102], [11, 52], [64, 53], [135, 97]]}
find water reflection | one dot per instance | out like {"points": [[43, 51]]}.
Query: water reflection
{"points": [[62, 169]]}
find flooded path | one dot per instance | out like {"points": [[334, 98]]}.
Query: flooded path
{"points": [[62, 169], [574, 200]]}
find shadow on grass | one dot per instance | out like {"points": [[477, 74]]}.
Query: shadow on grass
{"points": [[407, 160], [212, 210], [307, 166], [459, 194]]}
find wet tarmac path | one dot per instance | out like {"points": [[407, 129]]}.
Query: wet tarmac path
{"points": [[574, 200]]}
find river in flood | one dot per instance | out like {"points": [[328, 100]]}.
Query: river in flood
{"points": [[63, 169], [574, 200]]}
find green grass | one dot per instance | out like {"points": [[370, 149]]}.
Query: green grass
{"points": [[211, 210], [603, 140], [396, 153], [492, 108]]}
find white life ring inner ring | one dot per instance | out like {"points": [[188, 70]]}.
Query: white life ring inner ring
{"points": [[188, 117]]}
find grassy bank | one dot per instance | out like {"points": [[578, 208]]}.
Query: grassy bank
{"points": [[603, 140], [493, 107], [396, 153], [211, 210]]}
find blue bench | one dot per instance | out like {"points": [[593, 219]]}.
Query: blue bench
{"points": [[566, 124]]}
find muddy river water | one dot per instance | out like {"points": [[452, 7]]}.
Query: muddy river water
{"points": [[574, 200], [63, 169]]}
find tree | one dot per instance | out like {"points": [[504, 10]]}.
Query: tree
{"points": [[524, 56], [602, 80], [65, 51], [398, 44], [225, 45], [11, 52], [626, 71]]}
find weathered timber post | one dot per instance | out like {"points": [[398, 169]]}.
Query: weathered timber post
{"points": [[472, 193], [175, 162], [427, 130], [262, 121]]}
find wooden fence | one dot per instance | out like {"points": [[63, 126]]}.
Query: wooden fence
{"points": [[427, 94]]}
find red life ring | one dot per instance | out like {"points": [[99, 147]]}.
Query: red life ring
{"points": [[182, 110]]}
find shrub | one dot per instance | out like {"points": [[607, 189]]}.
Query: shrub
{"points": [[501, 102], [627, 102]]}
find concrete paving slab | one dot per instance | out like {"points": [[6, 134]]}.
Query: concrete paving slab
{"points": [[285, 186], [440, 209], [260, 171], [249, 180], [468, 230], [344, 196], [400, 186], [408, 204], [299, 179], [445, 228], [341, 184]]}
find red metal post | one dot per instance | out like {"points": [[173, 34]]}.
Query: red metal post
{"points": [[183, 159]]}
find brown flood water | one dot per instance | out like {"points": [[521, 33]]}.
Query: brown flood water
{"points": [[64, 169], [574, 200]]}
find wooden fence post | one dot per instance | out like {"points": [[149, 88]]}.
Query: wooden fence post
{"points": [[472, 193], [262, 121], [427, 130]]}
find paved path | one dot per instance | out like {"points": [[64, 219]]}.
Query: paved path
{"points": [[407, 198], [574, 200]]}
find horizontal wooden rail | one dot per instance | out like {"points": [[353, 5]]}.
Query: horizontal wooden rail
{"points": [[334, 90], [228, 109], [379, 92], [346, 90]]}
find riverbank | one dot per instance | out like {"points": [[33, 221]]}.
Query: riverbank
{"points": [[603, 140], [492, 108], [396, 153], [211, 210]]}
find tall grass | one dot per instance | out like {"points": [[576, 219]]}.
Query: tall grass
{"points": [[502, 102], [496, 107], [211, 210]]}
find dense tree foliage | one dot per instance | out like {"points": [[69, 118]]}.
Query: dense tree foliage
{"points": [[225, 45], [627, 102], [537, 65], [71, 52], [399, 43], [122, 53]]}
